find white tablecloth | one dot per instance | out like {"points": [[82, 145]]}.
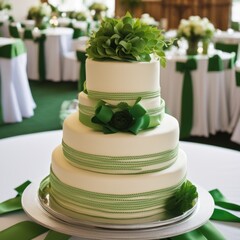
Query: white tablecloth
{"points": [[213, 93], [58, 42], [28, 157], [17, 101]]}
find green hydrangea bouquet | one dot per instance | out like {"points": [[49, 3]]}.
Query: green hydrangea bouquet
{"points": [[127, 39], [4, 5]]}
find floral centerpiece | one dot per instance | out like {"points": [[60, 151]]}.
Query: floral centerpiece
{"points": [[98, 9], [126, 40], [4, 5], [195, 29], [40, 13]]}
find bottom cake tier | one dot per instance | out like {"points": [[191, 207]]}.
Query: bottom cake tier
{"points": [[115, 199]]}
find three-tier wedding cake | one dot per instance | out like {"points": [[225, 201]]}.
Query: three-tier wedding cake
{"points": [[119, 161]]}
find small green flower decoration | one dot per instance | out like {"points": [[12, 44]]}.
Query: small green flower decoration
{"points": [[127, 39], [121, 118], [183, 199]]}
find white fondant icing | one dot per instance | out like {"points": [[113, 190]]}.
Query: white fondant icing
{"points": [[123, 77], [84, 139], [118, 184]]}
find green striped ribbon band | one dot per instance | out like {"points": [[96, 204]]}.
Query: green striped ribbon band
{"points": [[120, 164], [87, 112], [122, 96], [103, 205]]}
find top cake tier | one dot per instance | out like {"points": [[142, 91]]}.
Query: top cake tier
{"points": [[121, 81]]}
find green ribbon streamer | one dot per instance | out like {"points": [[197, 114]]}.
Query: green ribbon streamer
{"points": [[215, 64], [23, 231], [237, 75], [14, 204], [12, 50], [81, 56], [227, 47], [187, 95], [205, 232]]}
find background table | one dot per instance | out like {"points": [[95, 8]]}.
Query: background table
{"points": [[28, 157], [58, 42], [213, 93], [16, 97]]}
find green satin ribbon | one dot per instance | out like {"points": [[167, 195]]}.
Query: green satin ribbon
{"points": [[221, 214], [215, 64], [237, 75], [187, 95], [227, 47], [81, 56], [14, 204], [206, 232], [12, 50]]}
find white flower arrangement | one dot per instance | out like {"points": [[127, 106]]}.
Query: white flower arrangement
{"points": [[196, 28], [147, 19], [5, 5], [40, 11]]}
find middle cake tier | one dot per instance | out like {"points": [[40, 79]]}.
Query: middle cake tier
{"points": [[120, 153]]}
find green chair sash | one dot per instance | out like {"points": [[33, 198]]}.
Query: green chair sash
{"points": [[237, 75], [215, 64], [12, 50], [187, 95], [81, 56], [13, 31], [41, 57], [227, 47], [77, 32]]}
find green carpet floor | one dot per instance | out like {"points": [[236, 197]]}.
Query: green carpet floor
{"points": [[49, 97]]}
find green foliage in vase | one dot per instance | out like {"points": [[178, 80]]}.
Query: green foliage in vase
{"points": [[183, 199], [127, 39]]}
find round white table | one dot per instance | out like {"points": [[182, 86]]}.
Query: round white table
{"points": [[28, 157]]}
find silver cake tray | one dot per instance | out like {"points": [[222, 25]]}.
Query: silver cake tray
{"points": [[39, 210], [43, 195]]}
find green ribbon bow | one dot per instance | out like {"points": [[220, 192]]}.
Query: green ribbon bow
{"points": [[123, 118], [81, 56], [12, 50], [187, 95], [215, 64]]}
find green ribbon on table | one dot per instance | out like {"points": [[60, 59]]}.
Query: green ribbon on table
{"points": [[227, 47], [187, 95], [27, 229], [215, 64], [81, 56], [13, 49]]}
